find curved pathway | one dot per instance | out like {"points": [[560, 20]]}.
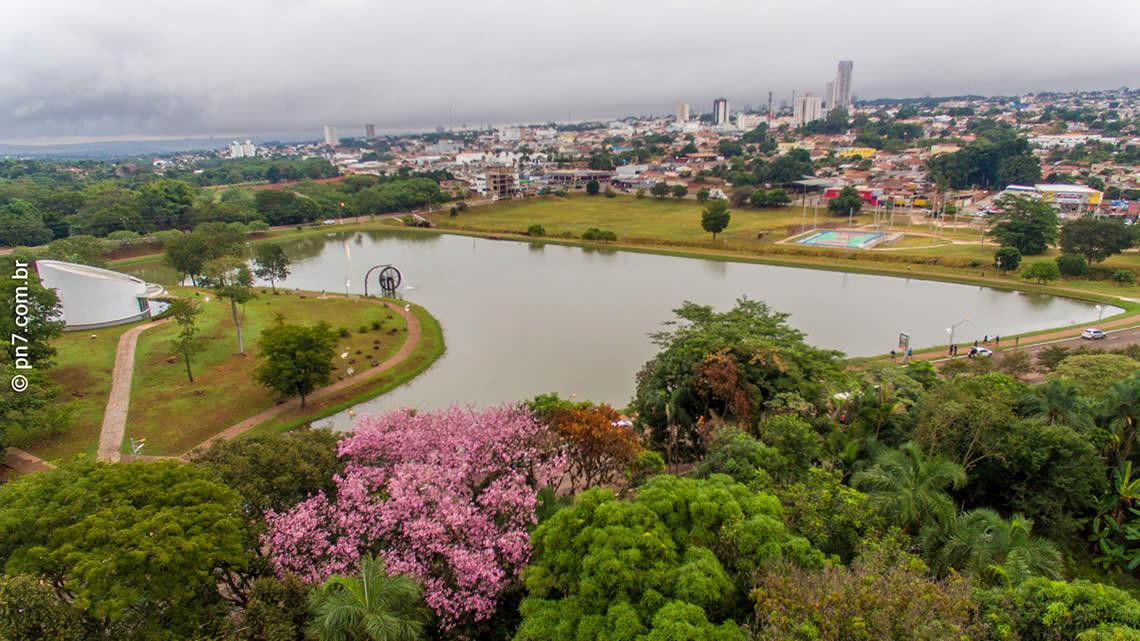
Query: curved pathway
{"points": [[410, 343], [119, 400]]}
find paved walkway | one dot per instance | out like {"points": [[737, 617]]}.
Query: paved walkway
{"points": [[410, 342], [22, 462], [119, 400]]}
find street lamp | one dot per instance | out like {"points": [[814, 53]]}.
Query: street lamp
{"points": [[950, 330], [1099, 312]]}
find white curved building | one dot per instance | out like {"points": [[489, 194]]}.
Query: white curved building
{"points": [[94, 297]]}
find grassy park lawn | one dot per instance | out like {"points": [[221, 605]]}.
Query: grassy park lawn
{"points": [[666, 219], [174, 415], [83, 365]]}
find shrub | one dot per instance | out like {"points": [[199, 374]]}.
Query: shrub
{"points": [[454, 211], [376, 324], [258, 225], [1007, 259], [1042, 271], [535, 230], [1124, 277], [603, 235], [609, 193], [343, 332], [1072, 265], [639, 194], [362, 329], [592, 187]]}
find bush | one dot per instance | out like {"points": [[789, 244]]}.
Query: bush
{"points": [[1007, 259], [258, 225], [609, 193], [535, 230], [592, 187], [376, 324], [363, 329], [603, 235], [343, 332], [454, 211], [1124, 277], [1072, 265], [639, 194], [124, 237], [1041, 271]]}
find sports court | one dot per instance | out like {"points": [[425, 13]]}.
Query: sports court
{"points": [[842, 238]]}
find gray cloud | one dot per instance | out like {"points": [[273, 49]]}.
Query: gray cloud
{"points": [[127, 67]]}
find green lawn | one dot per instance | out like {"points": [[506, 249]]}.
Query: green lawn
{"points": [[635, 219], [174, 415], [83, 365]]}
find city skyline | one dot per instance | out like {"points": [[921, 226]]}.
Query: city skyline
{"points": [[208, 70]]}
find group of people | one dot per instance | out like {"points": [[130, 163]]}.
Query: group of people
{"points": [[974, 350]]}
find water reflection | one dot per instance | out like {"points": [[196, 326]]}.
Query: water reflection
{"points": [[526, 318]]}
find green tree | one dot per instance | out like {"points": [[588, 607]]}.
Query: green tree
{"points": [[43, 315], [187, 342], [1043, 609], [1027, 224], [136, 546], [165, 203], [592, 187], [998, 551], [1072, 265], [296, 360], [274, 472], [719, 364], [671, 563], [1020, 169], [846, 203], [32, 610], [22, 224], [679, 191], [1042, 271], [1094, 374], [270, 261], [702, 194], [659, 189], [1118, 416], [374, 606], [231, 279], [1007, 259], [715, 217], [1094, 238], [85, 250], [909, 489]]}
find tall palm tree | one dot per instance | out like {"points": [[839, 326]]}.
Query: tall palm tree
{"points": [[1120, 416], [910, 489], [999, 551], [374, 606], [1060, 403]]}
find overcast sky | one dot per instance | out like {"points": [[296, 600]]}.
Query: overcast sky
{"points": [[126, 68]]}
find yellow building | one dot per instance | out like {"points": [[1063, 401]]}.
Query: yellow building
{"points": [[1070, 195], [862, 152], [937, 150], [785, 147]]}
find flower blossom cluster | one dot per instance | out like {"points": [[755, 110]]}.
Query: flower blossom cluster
{"points": [[446, 497]]}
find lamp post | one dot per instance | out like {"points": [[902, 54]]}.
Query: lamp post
{"points": [[1099, 312], [950, 330]]}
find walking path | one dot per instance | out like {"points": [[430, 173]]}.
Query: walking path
{"points": [[410, 342], [22, 462], [119, 400]]}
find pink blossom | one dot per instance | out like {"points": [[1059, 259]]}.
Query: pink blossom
{"points": [[447, 497]]}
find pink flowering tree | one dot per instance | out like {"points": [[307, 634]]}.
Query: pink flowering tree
{"points": [[447, 497]]}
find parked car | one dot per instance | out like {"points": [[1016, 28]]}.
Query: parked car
{"points": [[328, 221], [980, 352], [1092, 334]]}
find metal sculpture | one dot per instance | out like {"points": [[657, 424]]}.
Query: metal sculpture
{"points": [[389, 278]]}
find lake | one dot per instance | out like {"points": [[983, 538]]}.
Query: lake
{"points": [[522, 319]]}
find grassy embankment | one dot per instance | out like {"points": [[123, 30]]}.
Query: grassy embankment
{"points": [[174, 415]]}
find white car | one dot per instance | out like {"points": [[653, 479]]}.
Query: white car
{"points": [[980, 352], [1092, 334], [329, 221]]}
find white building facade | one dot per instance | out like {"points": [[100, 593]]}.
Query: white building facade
{"points": [[92, 297]]}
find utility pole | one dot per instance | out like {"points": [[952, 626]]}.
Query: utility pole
{"points": [[769, 107]]}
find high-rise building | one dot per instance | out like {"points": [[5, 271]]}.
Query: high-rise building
{"points": [[720, 111], [843, 84], [242, 149], [330, 136], [748, 122], [806, 109], [829, 95], [370, 132], [682, 112]]}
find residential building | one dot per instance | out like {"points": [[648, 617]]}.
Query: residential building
{"points": [[499, 182], [330, 136], [242, 149], [806, 109], [829, 95], [370, 132], [842, 90], [748, 122], [720, 111], [682, 112]]}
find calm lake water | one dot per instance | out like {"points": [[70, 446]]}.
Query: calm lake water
{"points": [[522, 319]]}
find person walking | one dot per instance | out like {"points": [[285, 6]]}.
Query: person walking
{"points": [[997, 340]]}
